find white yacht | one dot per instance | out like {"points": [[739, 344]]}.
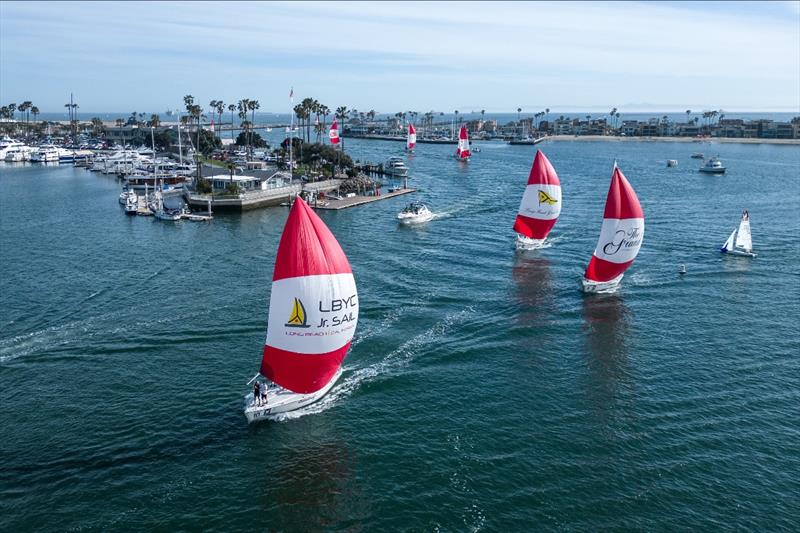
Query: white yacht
{"points": [[8, 144], [713, 166], [395, 166], [414, 213], [17, 154], [46, 153]]}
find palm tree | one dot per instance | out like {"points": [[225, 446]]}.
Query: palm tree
{"points": [[23, 109], [688, 112], [253, 105], [220, 107], [97, 126], [231, 108], [121, 122], [155, 121], [341, 113], [519, 110], [34, 112]]}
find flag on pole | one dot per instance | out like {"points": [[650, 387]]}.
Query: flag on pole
{"points": [[291, 93]]}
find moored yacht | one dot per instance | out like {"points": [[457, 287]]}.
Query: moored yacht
{"points": [[395, 166], [8, 144], [17, 154]]}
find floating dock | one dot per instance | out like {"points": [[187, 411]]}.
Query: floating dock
{"points": [[353, 201]]}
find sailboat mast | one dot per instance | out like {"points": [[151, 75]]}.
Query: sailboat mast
{"points": [[180, 149], [153, 142]]}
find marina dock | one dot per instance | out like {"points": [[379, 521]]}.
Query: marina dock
{"points": [[353, 201]]}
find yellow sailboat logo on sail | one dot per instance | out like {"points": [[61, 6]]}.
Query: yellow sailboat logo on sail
{"points": [[545, 198], [297, 318]]}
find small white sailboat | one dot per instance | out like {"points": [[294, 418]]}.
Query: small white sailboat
{"points": [[313, 312], [540, 206], [741, 241], [620, 237], [463, 152], [414, 213]]}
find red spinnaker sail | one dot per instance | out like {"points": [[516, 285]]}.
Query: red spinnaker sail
{"points": [[621, 234], [463, 151], [334, 132], [412, 137], [541, 202], [313, 307]]}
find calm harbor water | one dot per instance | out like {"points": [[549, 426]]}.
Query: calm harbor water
{"points": [[483, 390]]}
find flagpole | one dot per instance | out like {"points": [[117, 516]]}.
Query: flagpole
{"points": [[291, 133]]}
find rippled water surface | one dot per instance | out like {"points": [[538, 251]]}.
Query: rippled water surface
{"points": [[483, 390]]}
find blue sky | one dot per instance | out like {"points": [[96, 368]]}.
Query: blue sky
{"points": [[637, 56]]}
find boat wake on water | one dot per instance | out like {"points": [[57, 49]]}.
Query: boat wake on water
{"points": [[391, 365]]}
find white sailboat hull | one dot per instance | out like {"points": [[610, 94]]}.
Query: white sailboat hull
{"points": [[283, 401], [601, 287], [526, 243], [742, 253]]}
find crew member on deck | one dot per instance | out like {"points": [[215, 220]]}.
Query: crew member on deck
{"points": [[256, 393]]}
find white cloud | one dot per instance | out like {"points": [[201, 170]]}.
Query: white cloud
{"points": [[423, 55]]}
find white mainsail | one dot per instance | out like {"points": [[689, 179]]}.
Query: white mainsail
{"points": [[743, 238]]}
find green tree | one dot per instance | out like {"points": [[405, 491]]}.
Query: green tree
{"points": [[155, 121], [208, 142], [254, 139]]}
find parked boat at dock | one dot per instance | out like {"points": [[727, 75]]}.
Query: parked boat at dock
{"points": [[395, 166]]}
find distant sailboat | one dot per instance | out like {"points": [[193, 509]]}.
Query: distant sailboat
{"points": [[462, 152], [540, 206], [313, 311], [741, 241], [620, 237], [412, 138], [333, 134]]}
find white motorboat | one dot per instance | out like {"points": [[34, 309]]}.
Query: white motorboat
{"points": [[713, 166], [672, 162], [304, 348], [18, 154], [125, 194], [395, 166], [741, 241], [415, 213], [45, 154], [8, 144], [131, 203]]}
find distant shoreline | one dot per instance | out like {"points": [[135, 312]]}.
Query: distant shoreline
{"points": [[726, 140]]}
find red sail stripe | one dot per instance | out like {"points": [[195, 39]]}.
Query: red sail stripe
{"points": [[462, 133], [301, 373], [621, 201], [602, 270], [542, 172], [307, 246], [533, 228]]}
